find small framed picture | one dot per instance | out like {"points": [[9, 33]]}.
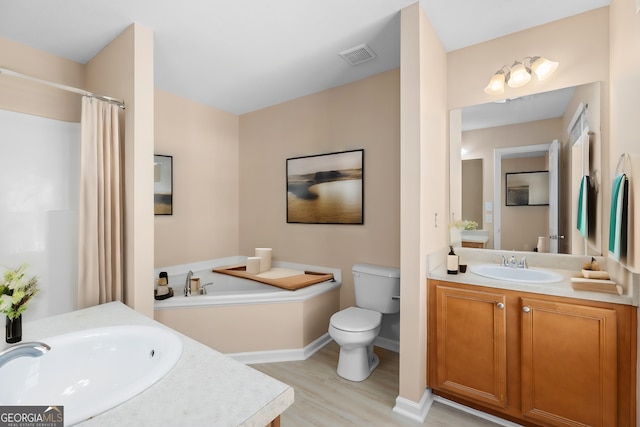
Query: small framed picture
{"points": [[527, 188]]}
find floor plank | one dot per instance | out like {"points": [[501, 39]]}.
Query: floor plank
{"points": [[322, 398]]}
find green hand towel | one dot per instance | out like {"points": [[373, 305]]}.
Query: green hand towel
{"points": [[615, 215], [582, 206]]}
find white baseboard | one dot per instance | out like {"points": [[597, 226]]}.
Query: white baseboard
{"points": [[416, 411], [388, 344], [475, 412], [287, 355]]}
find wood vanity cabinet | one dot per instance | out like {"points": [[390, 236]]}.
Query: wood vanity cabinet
{"points": [[467, 244], [535, 359]]}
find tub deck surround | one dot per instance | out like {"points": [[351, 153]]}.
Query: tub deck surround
{"points": [[251, 321], [223, 290], [203, 388], [566, 265]]}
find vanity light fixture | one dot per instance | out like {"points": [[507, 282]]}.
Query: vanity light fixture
{"points": [[519, 74]]}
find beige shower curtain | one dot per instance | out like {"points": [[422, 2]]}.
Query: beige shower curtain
{"points": [[100, 249]]}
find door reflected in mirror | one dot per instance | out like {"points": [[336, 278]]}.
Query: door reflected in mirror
{"points": [[532, 120]]}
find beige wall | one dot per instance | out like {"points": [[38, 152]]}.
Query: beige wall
{"points": [[623, 121], [472, 193], [424, 185], [625, 93], [27, 97], [580, 43], [204, 144], [124, 69], [364, 115]]}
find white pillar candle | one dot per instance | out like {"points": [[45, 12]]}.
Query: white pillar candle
{"points": [[265, 258], [253, 265]]}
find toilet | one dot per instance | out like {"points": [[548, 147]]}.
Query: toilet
{"points": [[355, 328]]}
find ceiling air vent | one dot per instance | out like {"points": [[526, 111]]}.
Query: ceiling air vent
{"points": [[358, 55]]}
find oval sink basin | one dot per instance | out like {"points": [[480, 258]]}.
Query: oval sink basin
{"points": [[521, 275], [91, 371]]}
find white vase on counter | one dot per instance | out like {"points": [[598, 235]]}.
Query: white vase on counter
{"points": [[543, 244]]}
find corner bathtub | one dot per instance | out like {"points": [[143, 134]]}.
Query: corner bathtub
{"points": [[250, 321]]}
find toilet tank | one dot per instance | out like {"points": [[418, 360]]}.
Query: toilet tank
{"points": [[376, 286]]}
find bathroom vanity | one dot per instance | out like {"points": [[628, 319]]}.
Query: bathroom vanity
{"points": [[203, 388], [530, 355]]}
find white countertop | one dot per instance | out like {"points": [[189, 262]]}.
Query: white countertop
{"points": [[204, 388]]}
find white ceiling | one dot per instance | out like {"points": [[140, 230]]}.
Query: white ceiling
{"points": [[240, 56], [530, 108]]}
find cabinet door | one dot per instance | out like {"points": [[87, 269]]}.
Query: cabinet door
{"points": [[568, 364], [471, 344]]}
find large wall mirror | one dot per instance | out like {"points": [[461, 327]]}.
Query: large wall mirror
{"points": [[518, 134]]}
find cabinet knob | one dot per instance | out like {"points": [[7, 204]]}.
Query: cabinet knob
{"points": [[526, 309], [500, 305]]}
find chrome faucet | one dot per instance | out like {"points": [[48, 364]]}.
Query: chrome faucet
{"points": [[27, 349], [513, 262], [187, 284], [523, 263]]}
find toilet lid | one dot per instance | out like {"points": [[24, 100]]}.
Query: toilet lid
{"points": [[354, 319]]}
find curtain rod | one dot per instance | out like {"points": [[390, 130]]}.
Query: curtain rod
{"points": [[118, 102]]}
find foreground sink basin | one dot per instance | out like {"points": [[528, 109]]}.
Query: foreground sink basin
{"points": [[521, 275], [91, 371]]}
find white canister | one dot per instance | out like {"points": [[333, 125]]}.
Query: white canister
{"points": [[543, 244], [265, 258], [253, 265]]}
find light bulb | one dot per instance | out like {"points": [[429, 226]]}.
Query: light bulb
{"points": [[496, 84], [520, 76]]}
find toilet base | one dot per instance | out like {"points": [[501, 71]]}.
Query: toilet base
{"points": [[357, 364]]}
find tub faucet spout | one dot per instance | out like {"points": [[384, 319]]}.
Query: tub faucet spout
{"points": [[27, 349], [187, 284]]}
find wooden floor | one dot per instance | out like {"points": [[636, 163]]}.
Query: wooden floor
{"points": [[322, 398]]}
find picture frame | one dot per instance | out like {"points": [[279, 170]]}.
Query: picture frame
{"points": [[326, 188], [527, 188], [162, 185]]}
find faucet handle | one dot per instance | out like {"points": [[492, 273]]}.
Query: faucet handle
{"points": [[523, 263], [505, 263]]}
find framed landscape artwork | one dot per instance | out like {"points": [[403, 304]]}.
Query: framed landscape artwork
{"points": [[326, 188], [527, 188], [163, 185]]}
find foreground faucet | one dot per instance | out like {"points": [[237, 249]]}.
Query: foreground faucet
{"points": [[27, 349], [187, 284]]}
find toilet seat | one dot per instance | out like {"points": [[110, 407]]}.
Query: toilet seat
{"points": [[355, 319]]}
